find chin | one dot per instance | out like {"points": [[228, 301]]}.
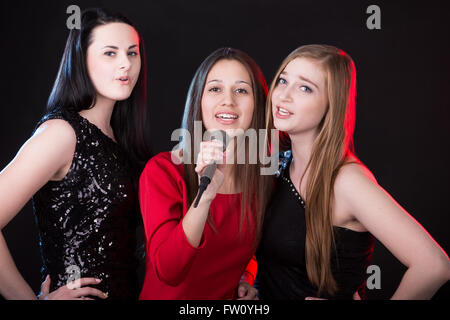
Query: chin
{"points": [[282, 125], [223, 126], [121, 97]]}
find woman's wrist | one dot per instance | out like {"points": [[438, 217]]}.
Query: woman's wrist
{"points": [[207, 197]]}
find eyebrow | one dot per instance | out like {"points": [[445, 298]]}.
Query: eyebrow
{"points": [[239, 81], [303, 78], [117, 48]]}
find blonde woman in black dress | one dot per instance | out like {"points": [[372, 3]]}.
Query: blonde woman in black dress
{"points": [[318, 231]]}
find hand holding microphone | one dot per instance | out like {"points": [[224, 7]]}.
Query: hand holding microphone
{"points": [[211, 153]]}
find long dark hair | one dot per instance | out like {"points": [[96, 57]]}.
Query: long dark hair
{"points": [[254, 186], [73, 90]]}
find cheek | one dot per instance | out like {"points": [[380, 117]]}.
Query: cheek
{"points": [[207, 110], [311, 110], [137, 67], [319, 107], [247, 110], [275, 95], [207, 104], [98, 72]]}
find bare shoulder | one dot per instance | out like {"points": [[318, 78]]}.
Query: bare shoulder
{"points": [[354, 187], [57, 134], [354, 181], [41, 158], [56, 129], [53, 141], [352, 174]]}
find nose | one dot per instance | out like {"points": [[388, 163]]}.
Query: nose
{"points": [[285, 94], [228, 98], [125, 62]]}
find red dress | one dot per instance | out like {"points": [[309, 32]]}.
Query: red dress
{"points": [[174, 268]]}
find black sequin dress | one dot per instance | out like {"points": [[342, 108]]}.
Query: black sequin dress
{"points": [[87, 220]]}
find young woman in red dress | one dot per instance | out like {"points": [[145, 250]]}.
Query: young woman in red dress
{"points": [[207, 252]]}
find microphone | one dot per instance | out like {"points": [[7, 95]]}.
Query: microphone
{"points": [[208, 172]]}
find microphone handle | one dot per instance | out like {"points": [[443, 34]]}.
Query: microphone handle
{"points": [[205, 180], [207, 175], [209, 170]]}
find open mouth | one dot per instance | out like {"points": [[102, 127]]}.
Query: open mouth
{"points": [[283, 111], [124, 80], [227, 116]]}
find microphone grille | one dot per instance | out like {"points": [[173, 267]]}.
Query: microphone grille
{"points": [[219, 135]]}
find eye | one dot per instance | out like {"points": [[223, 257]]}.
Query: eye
{"points": [[214, 89], [242, 91], [281, 81], [306, 89], [132, 53], [110, 53]]}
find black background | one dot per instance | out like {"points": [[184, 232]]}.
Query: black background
{"points": [[403, 95]]}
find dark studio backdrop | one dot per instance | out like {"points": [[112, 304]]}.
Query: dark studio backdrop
{"points": [[403, 94]]}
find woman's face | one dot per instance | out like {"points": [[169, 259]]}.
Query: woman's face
{"points": [[227, 100], [300, 98], [113, 60]]}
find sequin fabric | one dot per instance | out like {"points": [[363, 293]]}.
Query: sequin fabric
{"points": [[87, 220]]}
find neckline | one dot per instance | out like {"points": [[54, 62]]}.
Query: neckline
{"points": [[292, 189], [286, 176], [228, 194], [97, 129]]}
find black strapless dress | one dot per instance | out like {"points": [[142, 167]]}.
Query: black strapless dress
{"points": [[87, 221], [281, 254]]}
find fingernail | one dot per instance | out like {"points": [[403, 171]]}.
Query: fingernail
{"points": [[105, 294], [98, 280], [308, 298]]}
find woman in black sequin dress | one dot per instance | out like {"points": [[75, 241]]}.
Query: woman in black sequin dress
{"points": [[82, 165]]}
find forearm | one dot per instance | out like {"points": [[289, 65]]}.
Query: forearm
{"points": [[420, 283], [194, 221], [174, 247], [12, 284]]}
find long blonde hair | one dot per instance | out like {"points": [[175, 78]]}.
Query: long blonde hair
{"points": [[331, 150]]}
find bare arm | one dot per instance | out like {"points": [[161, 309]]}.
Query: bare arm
{"points": [[173, 238], [195, 218], [39, 160], [428, 265]]}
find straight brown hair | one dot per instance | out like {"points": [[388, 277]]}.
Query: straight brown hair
{"points": [[255, 187]]}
